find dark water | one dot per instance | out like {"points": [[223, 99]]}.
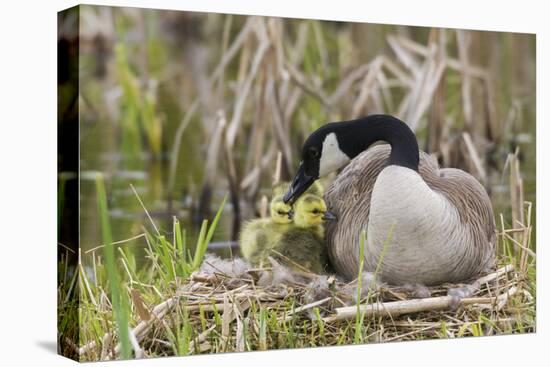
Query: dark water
{"points": [[149, 177]]}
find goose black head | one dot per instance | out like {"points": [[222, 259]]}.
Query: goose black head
{"points": [[321, 154], [333, 145]]}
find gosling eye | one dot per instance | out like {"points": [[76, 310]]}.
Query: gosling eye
{"points": [[280, 212], [316, 211]]}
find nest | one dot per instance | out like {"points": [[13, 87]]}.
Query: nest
{"points": [[230, 306]]}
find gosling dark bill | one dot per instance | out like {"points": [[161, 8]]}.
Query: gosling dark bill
{"points": [[328, 216]]}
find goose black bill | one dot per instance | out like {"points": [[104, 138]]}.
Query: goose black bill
{"points": [[299, 185]]}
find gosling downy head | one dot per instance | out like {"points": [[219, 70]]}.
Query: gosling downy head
{"points": [[310, 211], [335, 144], [281, 213]]}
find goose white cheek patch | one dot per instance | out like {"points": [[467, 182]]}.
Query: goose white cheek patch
{"points": [[332, 158]]}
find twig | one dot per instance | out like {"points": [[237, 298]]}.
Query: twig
{"points": [[116, 243], [135, 345], [392, 309], [289, 315], [497, 274], [140, 330], [66, 247]]}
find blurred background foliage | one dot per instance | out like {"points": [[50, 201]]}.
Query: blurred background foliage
{"points": [[189, 106]]}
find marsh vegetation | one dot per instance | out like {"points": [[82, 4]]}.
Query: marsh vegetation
{"points": [[184, 117]]}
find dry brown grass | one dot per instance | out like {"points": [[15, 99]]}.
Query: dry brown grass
{"points": [[224, 314], [213, 311]]}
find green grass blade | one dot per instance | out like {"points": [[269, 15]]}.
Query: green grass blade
{"points": [[178, 241], [118, 299], [202, 243], [358, 336], [200, 249], [164, 255]]}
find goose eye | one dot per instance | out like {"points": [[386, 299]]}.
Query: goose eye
{"points": [[313, 152], [280, 212], [316, 211]]}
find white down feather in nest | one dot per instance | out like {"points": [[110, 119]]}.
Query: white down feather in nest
{"points": [[317, 287]]}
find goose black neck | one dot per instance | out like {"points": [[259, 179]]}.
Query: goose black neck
{"points": [[357, 135]]}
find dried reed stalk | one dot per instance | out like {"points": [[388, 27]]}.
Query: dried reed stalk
{"points": [[475, 158], [516, 193], [245, 86], [393, 309]]}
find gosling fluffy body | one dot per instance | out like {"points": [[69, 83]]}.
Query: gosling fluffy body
{"points": [[304, 243], [259, 236], [300, 240]]}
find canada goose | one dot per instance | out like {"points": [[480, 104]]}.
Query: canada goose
{"points": [[432, 225], [304, 243]]}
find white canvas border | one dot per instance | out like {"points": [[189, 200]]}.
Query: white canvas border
{"points": [[28, 94]]}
